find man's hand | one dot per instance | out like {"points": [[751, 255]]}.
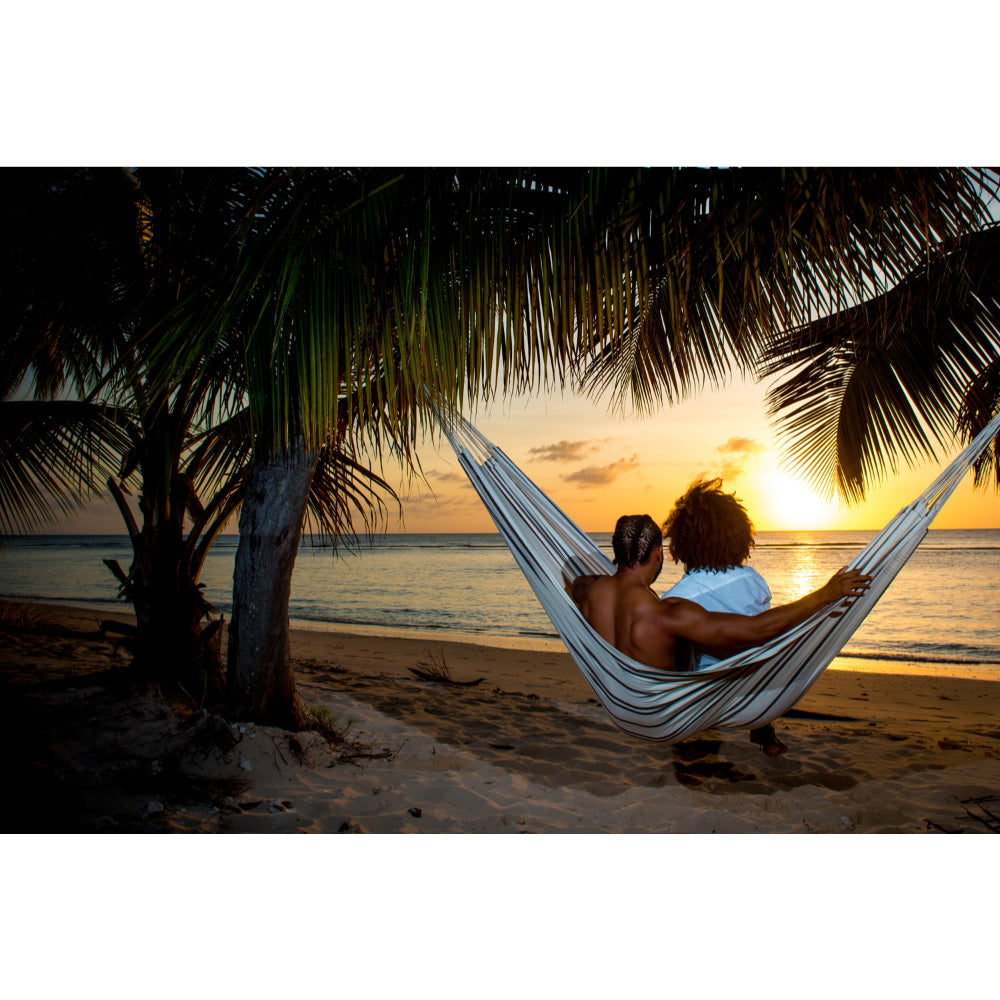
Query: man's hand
{"points": [[845, 583]]}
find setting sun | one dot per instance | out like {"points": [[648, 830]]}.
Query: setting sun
{"points": [[794, 506]]}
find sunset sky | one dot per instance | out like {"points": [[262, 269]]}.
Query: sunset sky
{"points": [[597, 466]]}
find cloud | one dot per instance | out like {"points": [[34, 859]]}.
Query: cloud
{"points": [[433, 492], [736, 452], [447, 477], [741, 446], [601, 475], [453, 502], [565, 451]]}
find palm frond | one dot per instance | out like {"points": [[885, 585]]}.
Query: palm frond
{"points": [[54, 457], [885, 379], [981, 403], [376, 285], [344, 495], [718, 262]]}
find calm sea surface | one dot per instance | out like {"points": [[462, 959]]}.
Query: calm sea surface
{"points": [[940, 614]]}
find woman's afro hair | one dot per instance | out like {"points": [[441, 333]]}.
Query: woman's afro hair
{"points": [[708, 529]]}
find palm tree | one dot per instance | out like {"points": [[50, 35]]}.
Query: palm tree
{"points": [[377, 296], [104, 261], [105, 254]]}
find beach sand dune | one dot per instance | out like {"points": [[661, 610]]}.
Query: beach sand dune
{"points": [[524, 750]]}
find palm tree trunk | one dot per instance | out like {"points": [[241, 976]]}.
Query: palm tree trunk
{"points": [[169, 641], [259, 682]]}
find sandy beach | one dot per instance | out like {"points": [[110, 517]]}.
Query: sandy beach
{"points": [[517, 745]]}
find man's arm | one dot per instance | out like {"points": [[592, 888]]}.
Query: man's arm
{"points": [[690, 621]]}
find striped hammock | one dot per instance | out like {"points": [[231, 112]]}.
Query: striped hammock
{"points": [[749, 689]]}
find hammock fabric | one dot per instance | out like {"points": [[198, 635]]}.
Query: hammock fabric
{"points": [[749, 689]]}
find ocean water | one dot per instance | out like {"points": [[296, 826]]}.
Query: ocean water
{"points": [[939, 615]]}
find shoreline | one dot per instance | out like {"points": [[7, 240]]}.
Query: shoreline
{"points": [[519, 745], [537, 644]]}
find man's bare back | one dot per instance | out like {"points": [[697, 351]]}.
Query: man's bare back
{"points": [[626, 613]]}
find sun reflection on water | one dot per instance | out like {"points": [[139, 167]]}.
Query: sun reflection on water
{"points": [[804, 575]]}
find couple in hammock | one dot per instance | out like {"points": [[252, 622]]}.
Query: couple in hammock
{"points": [[718, 607]]}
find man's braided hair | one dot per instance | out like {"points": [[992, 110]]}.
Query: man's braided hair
{"points": [[708, 529], [636, 535]]}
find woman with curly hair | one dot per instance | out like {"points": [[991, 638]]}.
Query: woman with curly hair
{"points": [[710, 534]]}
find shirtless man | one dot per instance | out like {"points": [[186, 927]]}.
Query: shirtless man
{"points": [[624, 610]]}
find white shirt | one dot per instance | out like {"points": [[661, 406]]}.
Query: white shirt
{"points": [[741, 590]]}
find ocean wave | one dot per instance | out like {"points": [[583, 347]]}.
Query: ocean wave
{"points": [[892, 657], [62, 542], [422, 625], [925, 547], [79, 600], [810, 545]]}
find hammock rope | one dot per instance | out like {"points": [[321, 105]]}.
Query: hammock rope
{"points": [[749, 689]]}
